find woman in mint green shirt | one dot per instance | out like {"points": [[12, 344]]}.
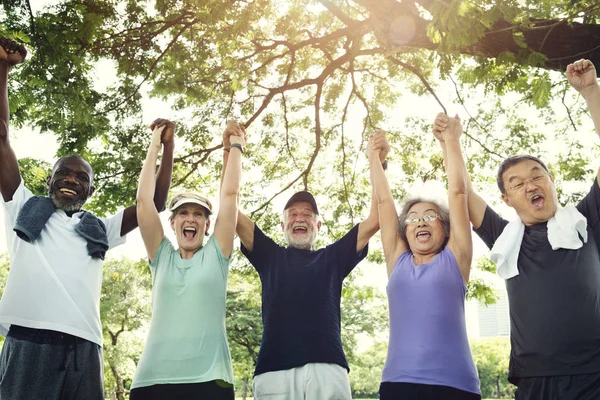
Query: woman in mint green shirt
{"points": [[186, 355]]}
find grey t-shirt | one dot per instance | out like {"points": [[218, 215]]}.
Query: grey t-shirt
{"points": [[555, 300]]}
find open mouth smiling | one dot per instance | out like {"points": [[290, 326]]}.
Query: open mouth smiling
{"points": [[67, 191], [189, 232], [537, 200]]}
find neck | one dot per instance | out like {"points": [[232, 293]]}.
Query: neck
{"points": [[423, 258], [187, 254]]}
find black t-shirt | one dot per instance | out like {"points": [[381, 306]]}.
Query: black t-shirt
{"points": [[301, 293], [555, 300]]}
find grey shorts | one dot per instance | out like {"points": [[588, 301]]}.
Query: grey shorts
{"points": [[50, 365]]}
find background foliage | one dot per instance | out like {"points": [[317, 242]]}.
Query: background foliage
{"points": [[309, 79]]}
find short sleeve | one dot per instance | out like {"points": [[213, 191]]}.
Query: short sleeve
{"points": [[164, 251], [264, 248], [113, 229], [345, 251], [589, 206], [491, 227], [12, 207]]}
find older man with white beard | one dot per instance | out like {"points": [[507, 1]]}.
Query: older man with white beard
{"points": [[301, 355]]}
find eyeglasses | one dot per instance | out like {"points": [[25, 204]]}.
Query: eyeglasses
{"points": [[521, 184], [424, 218]]}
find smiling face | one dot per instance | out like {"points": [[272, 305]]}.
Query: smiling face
{"points": [[190, 223], [300, 225], [71, 183], [530, 191], [425, 237]]}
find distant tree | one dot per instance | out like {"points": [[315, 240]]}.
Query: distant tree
{"points": [[124, 310], [365, 371], [491, 356]]}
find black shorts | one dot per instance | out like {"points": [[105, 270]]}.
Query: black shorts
{"points": [[184, 391], [418, 391], [564, 387]]}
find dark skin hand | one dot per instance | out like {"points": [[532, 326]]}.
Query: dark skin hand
{"points": [[163, 179]]}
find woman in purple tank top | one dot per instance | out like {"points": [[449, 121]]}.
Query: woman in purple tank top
{"points": [[428, 252]]}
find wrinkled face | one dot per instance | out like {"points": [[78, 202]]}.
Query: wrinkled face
{"points": [[190, 223], [425, 237], [530, 191], [70, 184], [300, 225]]}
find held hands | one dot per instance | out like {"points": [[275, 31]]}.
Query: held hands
{"points": [[166, 129], [12, 52], [378, 145], [445, 127], [233, 133]]}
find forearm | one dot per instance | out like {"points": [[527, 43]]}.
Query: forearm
{"points": [[231, 177], [147, 183], [380, 187], [456, 169], [592, 98], [386, 210], [163, 178], [444, 154], [4, 109], [225, 160]]}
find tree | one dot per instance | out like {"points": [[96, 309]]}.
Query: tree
{"points": [[244, 328], [491, 356], [124, 310], [316, 75], [365, 371]]}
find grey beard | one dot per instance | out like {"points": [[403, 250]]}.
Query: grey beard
{"points": [[66, 207], [301, 246]]}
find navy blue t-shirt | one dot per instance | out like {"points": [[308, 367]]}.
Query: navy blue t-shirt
{"points": [[301, 294]]}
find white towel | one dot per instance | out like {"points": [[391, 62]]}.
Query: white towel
{"points": [[564, 229]]}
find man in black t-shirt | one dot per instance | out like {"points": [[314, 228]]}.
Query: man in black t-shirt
{"points": [[301, 355], [555, 297]]}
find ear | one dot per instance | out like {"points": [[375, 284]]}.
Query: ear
{"points": [[207, 227], [172, 223], [318, 226], [92, 190], [505, 199], [48, 181], [282, 227]]}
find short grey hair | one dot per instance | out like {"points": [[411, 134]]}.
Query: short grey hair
{"points": [[408, 204]]}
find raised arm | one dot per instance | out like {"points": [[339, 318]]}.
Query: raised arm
{"points": [[460, 241], [475, 203], [146, 211], [163, 178], [393, 245], [582, 77], [11, 54], [230, 188]]}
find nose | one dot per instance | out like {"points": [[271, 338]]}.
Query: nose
{"points": [[529, 183]]}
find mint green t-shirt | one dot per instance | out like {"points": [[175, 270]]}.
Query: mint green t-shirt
{"points": [[187, 342]]}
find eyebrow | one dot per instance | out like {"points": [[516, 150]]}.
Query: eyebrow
{"points": [[429, 209], [534, 169]]}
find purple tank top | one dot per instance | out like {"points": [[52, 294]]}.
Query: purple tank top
{"points": [[428, 336]]}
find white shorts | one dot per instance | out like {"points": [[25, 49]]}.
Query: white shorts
{"points": [[318, 381]]}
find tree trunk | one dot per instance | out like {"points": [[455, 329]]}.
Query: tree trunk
{"points": [[120, 392], [244, 388], [399, 24]]}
